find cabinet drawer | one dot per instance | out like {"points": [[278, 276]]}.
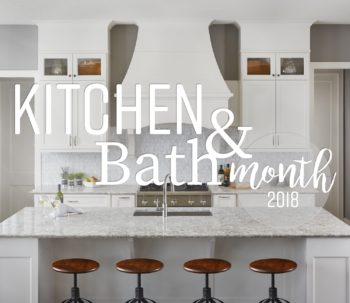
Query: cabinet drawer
{"points": [[123, 201], [224, 201], [262, 200], [80, 200]]}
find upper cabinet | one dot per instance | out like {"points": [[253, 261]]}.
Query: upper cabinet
{"points": [[279, 66], [72, 67]]}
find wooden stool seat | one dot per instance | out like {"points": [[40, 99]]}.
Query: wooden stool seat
{"points": [[207, 266], [273, 266], [75, 266], [139, 266]]}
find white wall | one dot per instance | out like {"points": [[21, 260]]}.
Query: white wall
{"points": [[18, 47]]}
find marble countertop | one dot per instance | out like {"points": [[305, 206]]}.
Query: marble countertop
{"points": [[219, 190], [120, 223], [98, 190]]}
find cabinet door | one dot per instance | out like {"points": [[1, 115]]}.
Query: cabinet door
{"points": [[225, 201], [292, 66], [89, 67], [58, 139], [87, 200], [55, 67], [258, 111], [123, 201], [292, 114], [258, 66], [82, 139]]}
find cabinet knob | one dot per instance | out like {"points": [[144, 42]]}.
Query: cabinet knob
{"points": [[70, 75], [273, 75], [75, 75], [278, 75]]}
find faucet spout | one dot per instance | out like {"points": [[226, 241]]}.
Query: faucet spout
{"points": [[172, 188]]}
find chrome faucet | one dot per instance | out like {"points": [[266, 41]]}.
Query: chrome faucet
{"points": [[172, 188]]}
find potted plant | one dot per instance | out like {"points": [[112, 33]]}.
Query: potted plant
{"points": [[79, 177], [71, 178], [65, 172]]}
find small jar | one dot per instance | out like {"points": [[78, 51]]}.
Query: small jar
{"points": [[70, 183], [79, 182], [64, 183]]}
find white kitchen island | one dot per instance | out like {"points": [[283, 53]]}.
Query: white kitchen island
{"points": [[29, 245]]}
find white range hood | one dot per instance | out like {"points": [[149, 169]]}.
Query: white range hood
{"points": [[173, 53]]}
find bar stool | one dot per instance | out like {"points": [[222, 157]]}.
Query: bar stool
{"points": [[139, 266], [273, 266], [75, 266], [207, 266]]}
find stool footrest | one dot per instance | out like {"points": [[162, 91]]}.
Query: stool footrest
{"points": [[139, 297], [276, 300]]}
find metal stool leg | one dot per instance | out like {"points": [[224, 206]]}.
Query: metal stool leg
{"points": [[273, 293], [139, 298]]}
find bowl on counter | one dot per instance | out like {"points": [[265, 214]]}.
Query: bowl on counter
{"points": [[89, 184]]}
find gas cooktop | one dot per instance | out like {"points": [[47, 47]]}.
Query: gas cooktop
{"points": [[184, 187]]}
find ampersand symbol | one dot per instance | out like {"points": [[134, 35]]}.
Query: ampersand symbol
{"points": [[221, 130]]}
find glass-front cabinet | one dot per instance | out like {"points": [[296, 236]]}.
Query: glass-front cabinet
{"points": [[89, 66], [258, 66], [73, 67], [292, 66], [279, 66], [55, 66]]}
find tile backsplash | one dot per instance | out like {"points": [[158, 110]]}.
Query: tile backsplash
{"points": [[158, 145]]}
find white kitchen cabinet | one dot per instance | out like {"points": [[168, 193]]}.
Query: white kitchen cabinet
{"points": [[224, 200], [79, 139], [58, 139], [278, 112], [262, 200], [258, 111], [123, 200], [79, 200], [275, 66], [82, 140], [292, 114], [73, 67]]}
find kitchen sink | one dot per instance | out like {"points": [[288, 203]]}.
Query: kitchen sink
{"points": [[206, 213]]}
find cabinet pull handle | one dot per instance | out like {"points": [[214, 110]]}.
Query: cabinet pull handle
{"points": [[70, 140], [224, 197], [75, 140], [278, 140], [124, 198], [273, 140], [72, 201]]}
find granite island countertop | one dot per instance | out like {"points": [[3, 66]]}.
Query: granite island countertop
{"points": [[120, 223]]}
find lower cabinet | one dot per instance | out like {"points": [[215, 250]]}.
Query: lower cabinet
{"points": [[262, 200], [86, 200], [123, 201], [224, 200]]}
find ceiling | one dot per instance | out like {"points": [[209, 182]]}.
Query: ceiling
{"points": [[125, 11]]}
